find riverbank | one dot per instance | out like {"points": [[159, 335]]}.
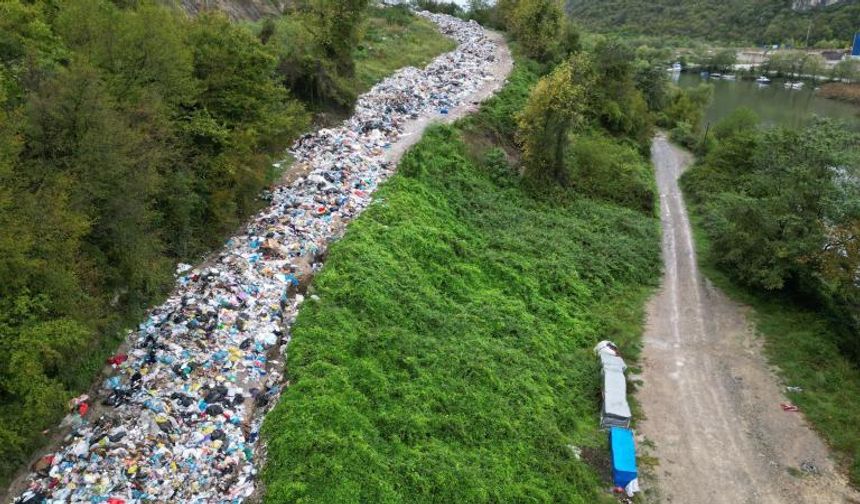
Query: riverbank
{"points": [[774, 104], [848, 93]]}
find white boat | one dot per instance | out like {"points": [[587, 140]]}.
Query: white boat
{"points": [[729, 77], [763, 80], [716, 75], [676, 67], [793, 85]]}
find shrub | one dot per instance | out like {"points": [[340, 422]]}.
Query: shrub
{"points": [[602, 168]]}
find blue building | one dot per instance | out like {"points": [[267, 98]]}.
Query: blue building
{"points": [[855, 49]]}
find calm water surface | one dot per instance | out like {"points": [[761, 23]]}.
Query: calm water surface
{"points": [[774, 104]]}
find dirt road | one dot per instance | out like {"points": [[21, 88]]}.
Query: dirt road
{"points": [[711, 401]]}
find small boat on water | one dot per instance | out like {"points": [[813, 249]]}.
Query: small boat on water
{"points": [[716, 75], [676, 67], [763, 80], [793, 85], [729, 77]]}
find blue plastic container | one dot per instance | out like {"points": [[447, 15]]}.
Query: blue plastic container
{"points": [[623, 453]]}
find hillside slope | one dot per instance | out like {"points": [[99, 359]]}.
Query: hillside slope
{"points": [[759, 21], [236, 9]]}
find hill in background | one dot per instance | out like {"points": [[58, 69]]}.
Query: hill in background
{"points": [[757, 21]]}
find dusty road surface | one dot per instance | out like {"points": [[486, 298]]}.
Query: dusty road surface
{"points": [[711, 402]]}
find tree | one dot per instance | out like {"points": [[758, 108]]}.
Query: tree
{"points": [[337, 29], [79, 144], [314, 45], [141, 51], [616, 102], [539, 25], [652, 81], [847, 69], [557, 104], [723, 60], [774, 228], [737, 141]]}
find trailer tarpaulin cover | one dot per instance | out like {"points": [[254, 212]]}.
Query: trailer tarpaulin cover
{"points": [[623, 453], [616, 411]]}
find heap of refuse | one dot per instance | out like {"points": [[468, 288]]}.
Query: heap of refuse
{"points": [[178, 420]]}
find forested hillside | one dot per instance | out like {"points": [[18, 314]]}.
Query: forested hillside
{"points": [[752, 21], [133, 137]]}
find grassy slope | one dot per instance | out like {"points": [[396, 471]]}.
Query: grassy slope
{"points": [[800, 343], [448, 359], [393, 41]]}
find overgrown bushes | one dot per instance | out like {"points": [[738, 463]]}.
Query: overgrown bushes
{"points": [[611, 171], [782, 208]]}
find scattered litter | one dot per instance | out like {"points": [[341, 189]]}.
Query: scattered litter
{"points": [[632, 487], [185, 404], [789, 407], [794, 389], [117, 360], [809, 467]]}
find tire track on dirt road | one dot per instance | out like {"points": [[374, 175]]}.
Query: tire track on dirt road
{"points": [[711, 400]]}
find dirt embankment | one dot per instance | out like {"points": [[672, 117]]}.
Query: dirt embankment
{"points": [[250, 10], [712, 403]]}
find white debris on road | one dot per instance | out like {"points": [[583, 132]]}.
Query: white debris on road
{"points": [[181, 414]]}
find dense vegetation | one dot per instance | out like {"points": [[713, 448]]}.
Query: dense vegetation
{"points": [[750, 21], [448, 357], [133, 137], [779, 219]]}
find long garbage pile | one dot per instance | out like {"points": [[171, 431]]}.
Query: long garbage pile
{"points": [[179, 417]]}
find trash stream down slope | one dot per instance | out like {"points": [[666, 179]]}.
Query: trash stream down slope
{"points": [[179, 418]]}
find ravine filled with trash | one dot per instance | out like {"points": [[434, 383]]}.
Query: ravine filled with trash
{"points": [[179, 418]]}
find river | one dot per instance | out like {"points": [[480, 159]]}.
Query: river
{"points": [[774, 104]]}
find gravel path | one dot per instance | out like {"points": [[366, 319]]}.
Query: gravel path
{"points": [[711, 401]]}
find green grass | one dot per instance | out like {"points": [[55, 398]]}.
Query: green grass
{"points": [[802, 344], [395, 39], [449, 356]]}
